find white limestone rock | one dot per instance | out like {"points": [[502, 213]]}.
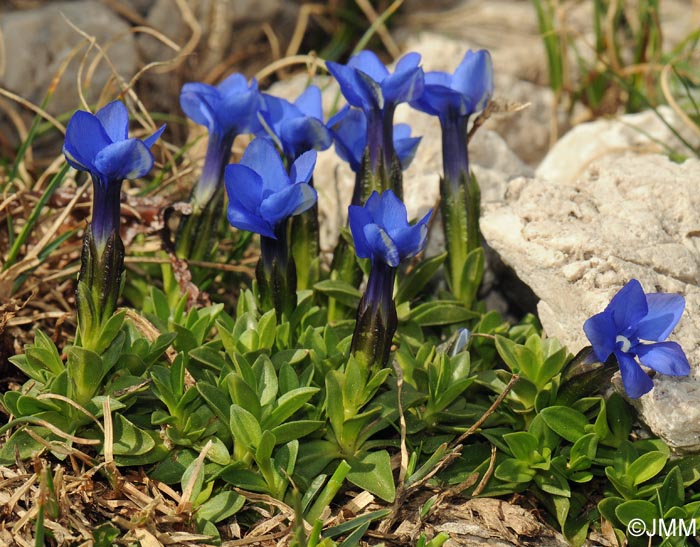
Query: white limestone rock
{"points": [[644, 133], [576, 241]]}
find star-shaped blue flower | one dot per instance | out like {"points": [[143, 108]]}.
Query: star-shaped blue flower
{"points": [[297, 127], [261, 193], [100, 144], [349, 128], [381, 230], [631, 318]]}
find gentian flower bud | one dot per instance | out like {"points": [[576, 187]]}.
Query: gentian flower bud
{"points": [[382, 233], [99, 144], [367, 84], [262, 197], [454, 98], [631, 318]]}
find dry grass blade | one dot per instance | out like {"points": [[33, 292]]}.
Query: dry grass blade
{"points": [[666, 89]]}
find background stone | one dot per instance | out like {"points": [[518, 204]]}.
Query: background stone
{"points": [[37, 42]]}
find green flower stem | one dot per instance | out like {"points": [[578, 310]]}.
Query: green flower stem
{"points": [[460, 207], [276, 274], [376, 318], [306, 248], [99, 286], [196, 235]]}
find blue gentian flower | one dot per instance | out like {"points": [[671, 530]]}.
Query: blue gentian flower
{"points": [[262, 197], [349, 128], [261, 193], [99, 144], [381, 233], [227, 110], [454, 98], [381, 230], [367, 84], [631, 318], [296, 127]]}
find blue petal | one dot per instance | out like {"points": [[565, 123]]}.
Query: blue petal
{"points": [[150, 141], [368, 62], [358, 218], [349, 128], [288, 202], [406, 84], [392, 215], [628, 306], [353, 91], [474, 78], [374, 205], [634, 379], [262, 157], [411, 241], [438, 100], [235, 84], [309, 102], [406, 150], [665, 311], [303, 167], [85, 137], [114, 117], [302, 134], [129, 159], [201, 103], [664, 357], [601, 332], [383, 247], [370, 90], [244, 220], [245, 185]]}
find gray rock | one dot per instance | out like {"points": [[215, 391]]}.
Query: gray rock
{"points": [[37, 42], [576, 241], [644, 132]]}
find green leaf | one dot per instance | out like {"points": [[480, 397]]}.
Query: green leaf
{"points": [[565, 422], [637, 509], [672, 493], [267, 328], [441, 312], [522, 445], [85, 373], [295, 430], [342, 291], [220, 507], [198, 481], [130, 440], [243, 394], [646, 466], [373, 473], [288, 404], [607, 508], [512, 470], [209, 357], [520, 359], [583, 452], [413, 283], [245, 427]]}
